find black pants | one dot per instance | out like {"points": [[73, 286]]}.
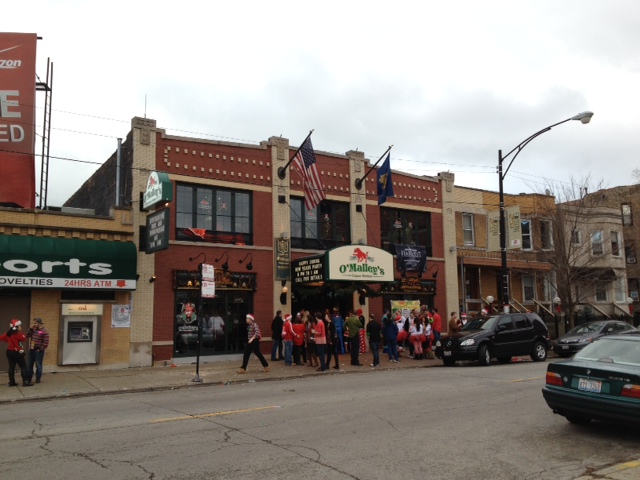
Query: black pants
{"points": [[253, 347], [333, 350], [16, 358], [355, 349]]}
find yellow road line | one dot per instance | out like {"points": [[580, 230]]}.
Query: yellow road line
{"points": [[526, 379], [217, 414]]}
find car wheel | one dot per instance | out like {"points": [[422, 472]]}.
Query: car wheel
{"points": [[448, 361], [578, 420], [504, 359], [484, 355], [539, 352]]}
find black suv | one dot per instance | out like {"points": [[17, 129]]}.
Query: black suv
{"points": [[499, 336]]}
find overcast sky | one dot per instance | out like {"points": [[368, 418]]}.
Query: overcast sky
{"points": [[447, 83]]}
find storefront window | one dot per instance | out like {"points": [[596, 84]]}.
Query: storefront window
{"points": [[213, 215], [405, 227], [224, 328]]}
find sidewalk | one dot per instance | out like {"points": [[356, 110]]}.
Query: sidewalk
{"points": [[212, 371]]}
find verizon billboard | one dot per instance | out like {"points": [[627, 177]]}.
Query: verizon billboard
{"points": [[17, 118]]}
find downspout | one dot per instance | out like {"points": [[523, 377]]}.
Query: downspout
{"points": [[118, 156]]}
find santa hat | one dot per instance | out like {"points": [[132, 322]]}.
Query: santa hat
{"points": [[15, 323], [250, 317], [287, 317]]}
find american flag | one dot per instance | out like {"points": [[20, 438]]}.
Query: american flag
{"points": [[305, 163]]}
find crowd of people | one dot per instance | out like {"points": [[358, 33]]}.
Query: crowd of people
{"points": [[318, 339]]}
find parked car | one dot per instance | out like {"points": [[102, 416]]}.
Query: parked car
{"points": [[585, 333], [601, 381], [500, 336]]}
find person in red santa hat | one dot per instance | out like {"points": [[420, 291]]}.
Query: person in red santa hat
{"points": [[15, 352]]}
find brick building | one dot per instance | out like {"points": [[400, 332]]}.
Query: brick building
{"points": [[231, 209]]}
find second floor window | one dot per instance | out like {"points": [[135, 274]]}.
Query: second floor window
{"points": [[213, 215], [596, 243], [527, 243], [467, 229], [615, 244], [630, 251], [546, 238], [405, 227], [575, 237], [326, 226]]}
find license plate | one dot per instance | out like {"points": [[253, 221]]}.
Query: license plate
{"points": [[589, 385], [565, 347], [447, 353]]}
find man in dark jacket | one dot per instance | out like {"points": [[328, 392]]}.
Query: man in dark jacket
{"points": [[353, 325], [373, 332], [276, 337]]}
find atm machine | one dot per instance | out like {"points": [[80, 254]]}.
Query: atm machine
{"points": [[80, 334]]}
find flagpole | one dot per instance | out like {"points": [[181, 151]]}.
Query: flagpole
{"points": [[360, 180], [282, 170]]}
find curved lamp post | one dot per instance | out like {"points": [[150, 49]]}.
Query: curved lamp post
{"points": [[583, 117]]}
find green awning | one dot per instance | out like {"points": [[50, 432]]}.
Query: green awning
{"points": [[60, 263]]}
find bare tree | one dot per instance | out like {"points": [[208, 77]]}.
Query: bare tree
{"points": [[574, 216], [636, 174]]}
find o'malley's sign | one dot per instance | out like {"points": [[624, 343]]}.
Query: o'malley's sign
{"points": [[159, 189], [361, 263]]}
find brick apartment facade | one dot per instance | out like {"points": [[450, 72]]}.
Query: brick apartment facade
{"points": [[231, 208]]}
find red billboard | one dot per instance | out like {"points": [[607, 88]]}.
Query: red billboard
{"points": [[17, 118]]}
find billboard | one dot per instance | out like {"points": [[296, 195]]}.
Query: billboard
{"points": [[17, 118]]}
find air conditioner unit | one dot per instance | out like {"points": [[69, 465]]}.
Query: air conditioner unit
{"points": [[631, 259]]}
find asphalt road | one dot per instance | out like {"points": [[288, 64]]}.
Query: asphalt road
{"points": [[465, 422]]}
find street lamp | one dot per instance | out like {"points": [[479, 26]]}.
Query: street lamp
{"points": [[584, 117]]}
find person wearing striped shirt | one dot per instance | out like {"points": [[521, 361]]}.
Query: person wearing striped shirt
{"points": [[38, 343]]}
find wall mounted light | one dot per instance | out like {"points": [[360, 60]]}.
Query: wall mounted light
{"points": [[225, 265], [152, 279], [283, 293], [250, 264]]}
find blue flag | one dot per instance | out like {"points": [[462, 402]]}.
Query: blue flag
{"points": [[385, 184]]}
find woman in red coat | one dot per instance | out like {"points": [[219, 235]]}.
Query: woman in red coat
{"points": [[15, 352], [299, 331]]}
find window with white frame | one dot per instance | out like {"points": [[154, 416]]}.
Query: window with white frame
{"points": [[527, 243], [601, 292], [621, 290], [467, 229], [546, 237], [615, 244], [528, 288], [596, 243]]}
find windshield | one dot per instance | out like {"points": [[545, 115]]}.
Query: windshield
{"points": [[612, 350], [585, 328], [479, 323]]}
